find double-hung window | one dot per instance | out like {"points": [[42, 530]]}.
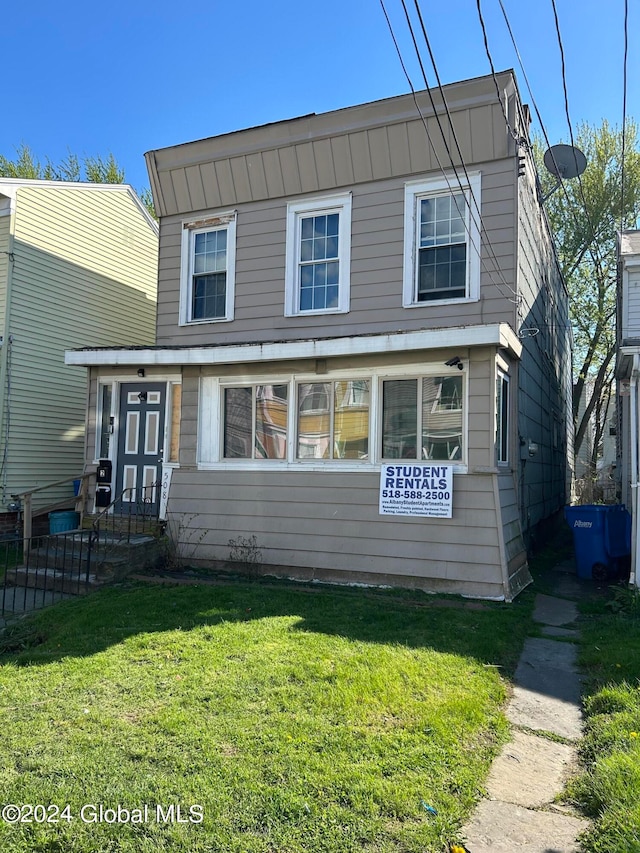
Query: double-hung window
{"points": [[208, 270], [318, 256], [422, 418], [442, 241]]}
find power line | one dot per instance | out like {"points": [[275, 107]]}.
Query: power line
{"points": [[435, 153], [493, 72], [624, 108]]}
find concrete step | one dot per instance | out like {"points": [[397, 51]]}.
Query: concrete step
{"points": [[53, 580], [64, 567]]}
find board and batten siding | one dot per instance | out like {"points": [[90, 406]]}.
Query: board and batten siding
{"points": [[84, 275]]}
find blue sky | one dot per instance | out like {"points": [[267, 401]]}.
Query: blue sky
{"points": [[128, 77]]}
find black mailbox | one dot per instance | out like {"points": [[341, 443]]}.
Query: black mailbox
{"points": [[103, 474], [103, 496]]}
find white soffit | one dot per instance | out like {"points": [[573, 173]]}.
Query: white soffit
{"points": [[496, 334]]}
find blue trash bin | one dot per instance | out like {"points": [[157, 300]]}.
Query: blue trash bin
{"points": [[601, 538], [61, 522]]}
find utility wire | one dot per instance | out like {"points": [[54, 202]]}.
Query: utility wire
{"points": [[493, 74], [544, 133], [624, 108], [455, 136], [435, 153]]}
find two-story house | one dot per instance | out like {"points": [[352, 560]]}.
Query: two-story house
{"points": [[362, 369], [78, 265], [628, 382]]}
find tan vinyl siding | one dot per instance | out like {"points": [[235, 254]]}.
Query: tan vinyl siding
{"points": [[377, 247], [84, 274], [329, 521]]}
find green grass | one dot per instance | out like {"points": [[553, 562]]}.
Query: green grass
{"points": [[609, 789], [298, 718]]}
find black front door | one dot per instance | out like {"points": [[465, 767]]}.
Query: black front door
{"points": [[141, 419]]}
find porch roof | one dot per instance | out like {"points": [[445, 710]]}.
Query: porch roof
{"points": [[493, 334]]}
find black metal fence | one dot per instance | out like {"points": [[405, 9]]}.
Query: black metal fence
{"points": [[44, 569]]}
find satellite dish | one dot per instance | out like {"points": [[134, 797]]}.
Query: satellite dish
{"points": [[565, 161]]}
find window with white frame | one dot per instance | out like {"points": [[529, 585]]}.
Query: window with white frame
{"points": [[422, 418], [333, 420], [502, 418], [318, 253], [255, 422], [208, 270], [442, 241], [359, 420]]}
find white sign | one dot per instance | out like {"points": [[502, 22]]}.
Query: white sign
{"points": [[164, 492], [425, 490]]}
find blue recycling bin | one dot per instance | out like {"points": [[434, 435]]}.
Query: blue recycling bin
{"points": [[601, 538]]}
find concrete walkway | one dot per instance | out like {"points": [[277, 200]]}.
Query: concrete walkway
{"points": [[520, 812]]}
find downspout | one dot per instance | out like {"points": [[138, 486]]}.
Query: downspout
{"points": [[633, 436]]}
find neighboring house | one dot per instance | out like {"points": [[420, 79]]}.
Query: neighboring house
{"points": [[628, 382], [78, 265], [332, 305], [595, 479]]}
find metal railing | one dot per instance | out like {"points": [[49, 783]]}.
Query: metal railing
{"points": [[51, 567], [39, 570]]}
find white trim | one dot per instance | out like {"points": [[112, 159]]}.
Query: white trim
{"points": [[491, 334], [211, 414], [228, 224], [414, 191], [340, 204]]}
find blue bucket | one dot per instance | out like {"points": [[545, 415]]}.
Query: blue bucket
{"points": [[60, 522]]}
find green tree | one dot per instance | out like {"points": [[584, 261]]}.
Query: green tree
{"points": [[95, 170], [585, 215]]}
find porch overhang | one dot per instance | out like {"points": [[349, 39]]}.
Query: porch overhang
{"points": [[499, 335]]}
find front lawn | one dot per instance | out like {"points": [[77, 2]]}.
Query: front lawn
{"points": [[276, 717]]}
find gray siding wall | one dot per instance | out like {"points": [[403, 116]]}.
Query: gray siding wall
{"points": [[631, 321], [545, 367]]}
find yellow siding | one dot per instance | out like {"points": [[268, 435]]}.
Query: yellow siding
{"points": [[84, 275]]}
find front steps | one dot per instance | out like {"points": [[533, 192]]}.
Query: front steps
{"points": [[79, 561]]}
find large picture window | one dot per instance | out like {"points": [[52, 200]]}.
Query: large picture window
{"points": [[422, 418], [318, 256], [348, 422], [208, 270], [442, 241]]}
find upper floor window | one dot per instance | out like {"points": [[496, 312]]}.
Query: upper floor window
{"points": [[442, 241], [318, 256], [208, 270]]}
